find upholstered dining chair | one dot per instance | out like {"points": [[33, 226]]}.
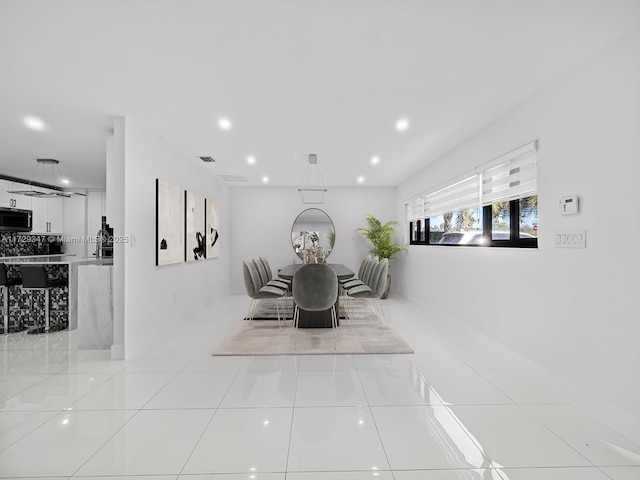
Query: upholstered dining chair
{"points": [[270, 273], [259, 292], [364, 273], [371, 292], [265, 278], [315, 289]]}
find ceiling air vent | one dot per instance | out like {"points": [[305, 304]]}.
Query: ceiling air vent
{"points": [[208, 159], [233, 178]]}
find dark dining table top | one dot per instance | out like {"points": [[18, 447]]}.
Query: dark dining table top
{"points": [[343, 272]]}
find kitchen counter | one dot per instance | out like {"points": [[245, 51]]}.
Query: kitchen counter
{"points": [[61, 259], [95, 307], [65, 265]]}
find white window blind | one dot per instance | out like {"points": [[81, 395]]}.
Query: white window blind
{"points": [[511, 176], [415, 209], [452, 198]]}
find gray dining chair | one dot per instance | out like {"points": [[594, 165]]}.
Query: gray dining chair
{"points": [[267, 279], [270, 273], [372, 292], [259, 292], [315, 289], [364, 273]]}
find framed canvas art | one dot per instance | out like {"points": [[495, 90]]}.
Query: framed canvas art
{"points": [[194, 227], [212, 221], [169, 223]]}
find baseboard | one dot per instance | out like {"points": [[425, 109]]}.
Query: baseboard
{"points": [[117, 352]]}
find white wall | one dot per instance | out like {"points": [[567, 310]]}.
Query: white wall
{"points": [[158, 299], [262, 218], [572, 313], [116, 181]]}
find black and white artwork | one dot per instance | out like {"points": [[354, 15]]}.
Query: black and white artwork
{"points": [[169, 223], [212, 221], [194, 230], [304, 239]]}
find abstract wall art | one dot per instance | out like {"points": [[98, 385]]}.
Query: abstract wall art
{"points": [[169, 223], [194, 229], [212, 221]]}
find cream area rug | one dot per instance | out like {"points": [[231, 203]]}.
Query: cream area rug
{"points": [[364, 335]]}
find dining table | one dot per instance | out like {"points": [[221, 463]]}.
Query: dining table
{"points": [[317, 319]]}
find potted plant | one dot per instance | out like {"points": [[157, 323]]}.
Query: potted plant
{"points": [[381, 236]]}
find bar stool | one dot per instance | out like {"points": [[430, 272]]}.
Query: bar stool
{"points": [[6, 282], [35, 277]]}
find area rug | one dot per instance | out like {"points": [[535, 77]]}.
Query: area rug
{"points": [[365, 335], [267, 311]]}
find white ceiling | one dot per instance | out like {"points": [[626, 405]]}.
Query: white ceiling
{"points": [[294, 77]]}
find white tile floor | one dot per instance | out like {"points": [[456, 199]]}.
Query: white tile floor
{"points": [[452, 411]]}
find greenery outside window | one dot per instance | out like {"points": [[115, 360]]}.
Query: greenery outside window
{"points": [[504, 224]]}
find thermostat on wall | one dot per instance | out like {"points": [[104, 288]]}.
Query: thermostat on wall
{"points": [[569, 205]]}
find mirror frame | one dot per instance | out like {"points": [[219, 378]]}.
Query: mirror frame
{"points": [[293, 229]]}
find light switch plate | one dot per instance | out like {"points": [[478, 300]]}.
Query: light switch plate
{"points": [[571, 239]]}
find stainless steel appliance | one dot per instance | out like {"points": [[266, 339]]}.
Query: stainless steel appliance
{"points": [[15, 220]]}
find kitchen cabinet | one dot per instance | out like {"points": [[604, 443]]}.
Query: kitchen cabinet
{"points": [[13, 200], [47, 215]]}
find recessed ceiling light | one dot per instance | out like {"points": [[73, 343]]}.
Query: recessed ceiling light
{"points": [[265, 179], [224, 123], [251, 160], [65, 181], [402, 124], [34, 123], [375, 160], [360, 179]]}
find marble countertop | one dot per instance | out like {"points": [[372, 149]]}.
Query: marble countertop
{"points": [[62, 259]]}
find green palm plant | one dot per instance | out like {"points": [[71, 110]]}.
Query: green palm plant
{"points": [[381, 236]]}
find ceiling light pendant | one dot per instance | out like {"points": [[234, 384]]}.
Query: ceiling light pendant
{"points": [[312, 188], [54, 191]]}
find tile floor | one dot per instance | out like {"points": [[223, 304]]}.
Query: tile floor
{"points": [[451, 411]]}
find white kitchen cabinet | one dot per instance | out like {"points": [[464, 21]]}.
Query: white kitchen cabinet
{"points": [[55, 212], [47, 215], [13, 200], [5, 196]]}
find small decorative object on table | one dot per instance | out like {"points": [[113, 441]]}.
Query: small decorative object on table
{"points": [[314, 254]]}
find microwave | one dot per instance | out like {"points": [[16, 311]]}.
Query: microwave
{"points": [[15, 220]]}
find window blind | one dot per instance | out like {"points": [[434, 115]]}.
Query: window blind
{"points": [[510, 177], [415, 209], [452, 198]]}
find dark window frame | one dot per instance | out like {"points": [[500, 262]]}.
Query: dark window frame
{"points": [[487, 226]]}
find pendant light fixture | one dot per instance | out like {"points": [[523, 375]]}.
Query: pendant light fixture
{"points": [[53, 190], [312, 188]]}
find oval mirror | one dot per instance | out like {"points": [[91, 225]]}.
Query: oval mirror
{"points": [[312, 227]]}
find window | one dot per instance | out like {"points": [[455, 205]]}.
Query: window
{"points": [[513, 223], [496, 206]]}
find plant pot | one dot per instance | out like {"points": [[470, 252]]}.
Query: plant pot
{"points": [[385, 293]]}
